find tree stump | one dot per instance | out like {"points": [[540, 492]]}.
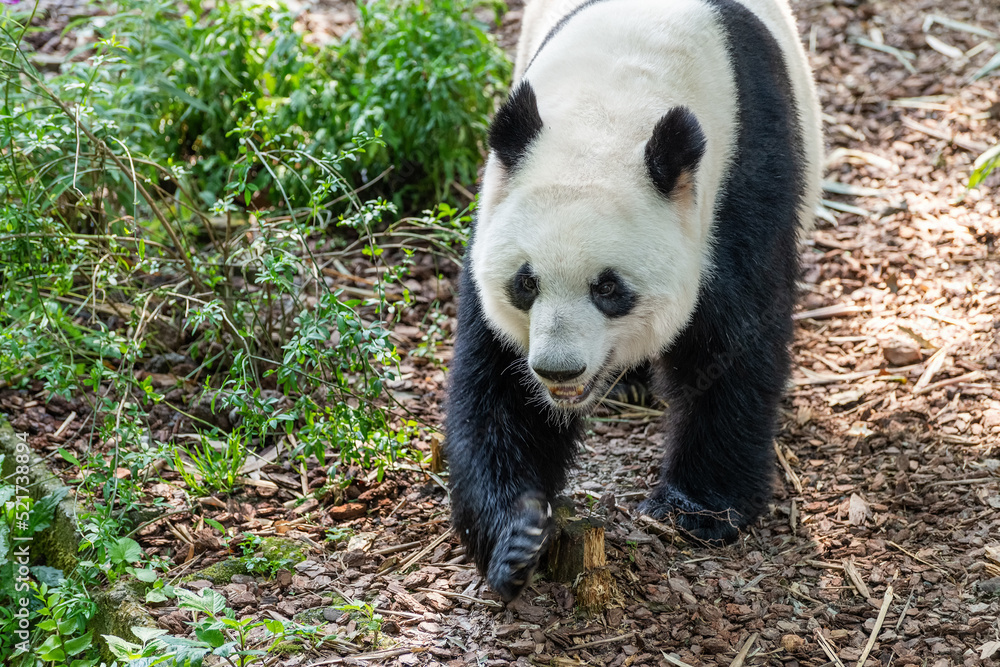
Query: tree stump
{"points": [[437, 463], [577, 557]]}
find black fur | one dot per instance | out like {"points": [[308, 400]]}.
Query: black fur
{"points": [[676, 146], [515, 126], [612, 295], [523, 288], [723, 377], [727, 371], [508, 457], [635, 387]]}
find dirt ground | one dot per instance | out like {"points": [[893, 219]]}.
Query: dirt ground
{"points": [[884, 536]]}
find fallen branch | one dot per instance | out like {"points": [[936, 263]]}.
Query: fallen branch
{"points": [[968, 377], [744, 650], [828, 648], [602, 642], [793, 478], [886, 601], [827, 311], [423, 552], [933, 366]]}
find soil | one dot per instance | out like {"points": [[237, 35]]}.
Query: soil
{"points": [[883, 539]]}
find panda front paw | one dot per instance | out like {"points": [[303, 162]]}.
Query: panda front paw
{"points": [[517, 553], [714, 527]]}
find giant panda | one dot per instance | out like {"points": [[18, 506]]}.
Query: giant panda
{"points": [[648, 178]]}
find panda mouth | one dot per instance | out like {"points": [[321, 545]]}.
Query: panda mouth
{"points": [[571, 394]]}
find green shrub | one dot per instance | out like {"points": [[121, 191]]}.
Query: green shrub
{"points": [[426, 77], [185, 190], [429, 75]]}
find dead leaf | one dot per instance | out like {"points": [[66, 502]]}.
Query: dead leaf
{"points": [[792, 643], [860, 430], [361, 541], [858, 511], [845, 397]]}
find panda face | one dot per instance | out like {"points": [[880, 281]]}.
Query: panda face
{"points": [[573, 375], [592, 235], [584, 281]]}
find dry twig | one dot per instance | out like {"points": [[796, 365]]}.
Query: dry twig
{"points": [[886, 601]]}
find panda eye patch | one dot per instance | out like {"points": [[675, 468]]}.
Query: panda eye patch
{"points": [[523, 288], [612, 295]]}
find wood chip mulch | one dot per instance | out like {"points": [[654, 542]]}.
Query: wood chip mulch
{"points": [[883, 543]]}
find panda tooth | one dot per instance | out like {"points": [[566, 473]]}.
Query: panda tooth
{"points": [[579, 389], [534, 532]]}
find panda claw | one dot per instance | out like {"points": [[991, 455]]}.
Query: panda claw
{"points": [[516, 554]]}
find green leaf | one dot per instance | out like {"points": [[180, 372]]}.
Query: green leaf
{"points": [[69, 457], [983, 165], [215, 524], [147, 634], [207, 601], [43, 511], [212, 636], [125, 550], [49, 575], [74, 646], [51, 650], [122, 649], [274, 626], [155, 595], [146, 575], [170, 47]]}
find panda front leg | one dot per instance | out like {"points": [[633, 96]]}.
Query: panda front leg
{"points": [[508, 454], [725, 379]]}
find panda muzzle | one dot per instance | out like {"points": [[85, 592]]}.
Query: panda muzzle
{"points": [[569, 393]]}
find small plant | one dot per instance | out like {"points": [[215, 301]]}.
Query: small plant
{"points": [[339, 535], [983, 165], [214, 465], [435, 335], [427, 76], [41, 611], [64, 622], [259, 564], [368, 620], [217, 633]]}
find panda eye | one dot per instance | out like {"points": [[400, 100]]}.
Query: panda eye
{"points": [[522, 290], [612, 294], [606, 288]]}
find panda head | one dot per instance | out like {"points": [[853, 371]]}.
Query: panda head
{"points": [[588, 248]]}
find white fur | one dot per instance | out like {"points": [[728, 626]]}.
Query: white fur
{"points": [[581, 201]]}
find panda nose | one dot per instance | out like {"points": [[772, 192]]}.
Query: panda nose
{"points": [[558, 375]]}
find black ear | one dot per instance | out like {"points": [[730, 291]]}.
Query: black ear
{"points": [[675, 148], [515, 126]]}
